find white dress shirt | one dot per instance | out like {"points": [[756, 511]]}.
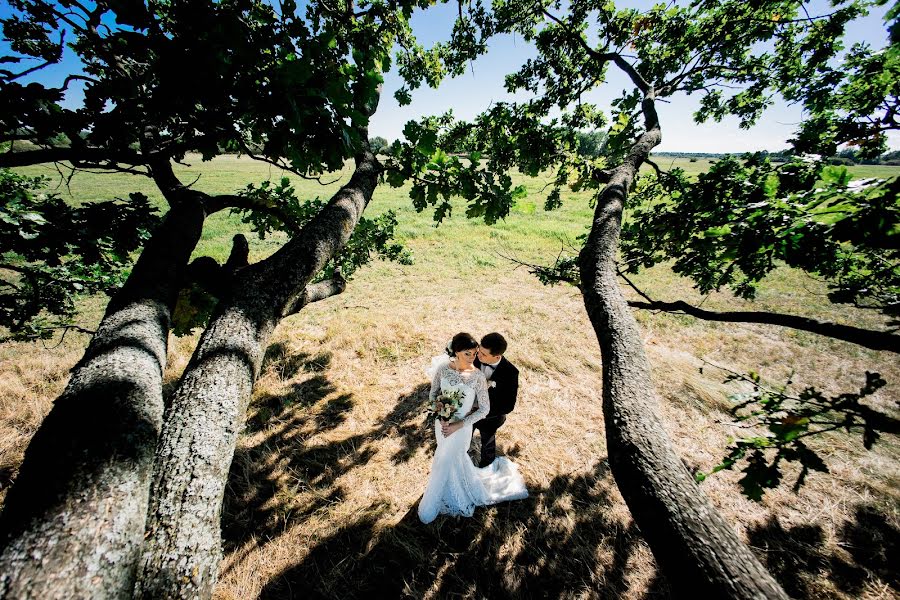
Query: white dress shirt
{"points": [[488, 369]]}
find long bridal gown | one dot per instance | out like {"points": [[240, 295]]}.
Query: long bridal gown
{"points": [[456, 486]]}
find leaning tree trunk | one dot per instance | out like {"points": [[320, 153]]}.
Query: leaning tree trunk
{"points": [[73, 522], [183, 547], [697, 550]]}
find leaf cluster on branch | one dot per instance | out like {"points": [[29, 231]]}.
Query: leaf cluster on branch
{"points": [[789, 421], [52, 252], [288, 85], [740, 220]]}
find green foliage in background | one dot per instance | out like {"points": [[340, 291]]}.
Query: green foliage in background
{"points": [[52, 252], [735, 223]]}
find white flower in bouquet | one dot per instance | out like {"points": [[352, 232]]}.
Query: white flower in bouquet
{"points": [[446, 404]]}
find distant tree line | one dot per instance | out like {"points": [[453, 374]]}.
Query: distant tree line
{"points": [[591, 144], [848, 156]]}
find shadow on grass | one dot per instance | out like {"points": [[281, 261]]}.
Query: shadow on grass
{"points": [[253, 508], [874, 544], [544, 546], [562, 541], [798, 558], [278, 357]]}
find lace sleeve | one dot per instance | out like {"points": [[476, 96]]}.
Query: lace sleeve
{"points": [[435, 385], [484, 401]]}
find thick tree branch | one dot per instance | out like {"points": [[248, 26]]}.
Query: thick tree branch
{"points": [[239, 256], [171, 187], [213, 277], [93, 157], [868, 338], [182, 547], [318, 291]]}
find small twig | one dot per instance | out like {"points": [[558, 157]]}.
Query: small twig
{"points": [[744, 377], [66, 329], [284, 167]]}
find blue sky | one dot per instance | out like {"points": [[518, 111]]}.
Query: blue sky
{"points": [[482, 85]]}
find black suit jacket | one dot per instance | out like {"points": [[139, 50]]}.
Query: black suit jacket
{"points": [[503, 395]]}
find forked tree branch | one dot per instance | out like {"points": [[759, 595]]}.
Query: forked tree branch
{"points": [[314, 292]]}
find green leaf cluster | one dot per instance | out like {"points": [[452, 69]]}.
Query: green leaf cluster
{"points": [[506, 137], [742, 218], [371, 237], [53, 252], [788, 420]]}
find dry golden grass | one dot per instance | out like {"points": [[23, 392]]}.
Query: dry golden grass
{"points": [[326, 480], [323, 489], [30, 379]]}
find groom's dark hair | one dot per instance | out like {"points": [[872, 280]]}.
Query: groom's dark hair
{"points": [[495, 343]]}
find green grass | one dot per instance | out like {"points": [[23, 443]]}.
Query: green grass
{"points": [[528, 229]]}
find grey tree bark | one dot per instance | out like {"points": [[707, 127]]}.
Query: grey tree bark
{"points": [[182, 552], [73, 522], [697, 550]]}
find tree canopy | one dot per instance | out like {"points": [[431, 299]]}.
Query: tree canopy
{"points": [[286, 86], [290, 85]]}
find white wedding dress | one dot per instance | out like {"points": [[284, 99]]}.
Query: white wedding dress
{"points": [[456, 486]]}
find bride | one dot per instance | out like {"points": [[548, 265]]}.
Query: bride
{"points": [[456, 486]]}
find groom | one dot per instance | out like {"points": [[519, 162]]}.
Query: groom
{"points": [[503, 386]]}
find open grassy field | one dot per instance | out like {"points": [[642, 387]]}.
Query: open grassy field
{"points": [[323, 489]]}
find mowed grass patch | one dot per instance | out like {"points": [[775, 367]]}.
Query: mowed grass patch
{"points": [[322, 492]]}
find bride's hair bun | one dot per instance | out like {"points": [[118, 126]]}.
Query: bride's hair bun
{"points": [[461, 341]]}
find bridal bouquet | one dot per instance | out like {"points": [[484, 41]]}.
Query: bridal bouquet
{"points": [[446, 404]]}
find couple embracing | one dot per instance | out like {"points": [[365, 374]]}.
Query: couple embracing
{"points": [[471, 376]]}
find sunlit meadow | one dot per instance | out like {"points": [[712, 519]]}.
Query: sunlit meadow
{"points": [[322, 493]]}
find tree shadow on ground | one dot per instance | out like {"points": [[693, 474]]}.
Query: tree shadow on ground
{"points": [[563, 541], [406, 423], [874, 544], [253, 480], [799, 559], [287, 365], [255, 505], [548, 545]]}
